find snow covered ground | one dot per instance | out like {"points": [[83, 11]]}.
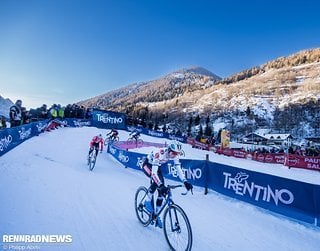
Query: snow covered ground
{"points": [[46, 188]]}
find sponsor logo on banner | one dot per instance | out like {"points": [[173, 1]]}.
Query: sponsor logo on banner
{"points": [[269, 158], [112, 150], [173, 137], [24, 133], [5, 142], [123, 158], [155, 133], [41, 126], [293, 160], [79, 123], [260, 157], [132, 128], [191, 174], [108, 119], [312, 163], [140, 161], [240, 185]]}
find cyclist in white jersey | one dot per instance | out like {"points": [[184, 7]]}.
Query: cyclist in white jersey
{"points": [[152, 168]]}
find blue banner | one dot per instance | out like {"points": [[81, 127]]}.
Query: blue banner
{"points": [[288, 197], [316, 200], [291, 198], [11, 137], [194, 170], [128, 159], [73, 122], [108, 119]]}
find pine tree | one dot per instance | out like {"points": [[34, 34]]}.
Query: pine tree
{"points": [[189, 126], [208, 130], [197, 120]]}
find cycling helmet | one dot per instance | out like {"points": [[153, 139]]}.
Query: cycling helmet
{"points": [[175, 146]]}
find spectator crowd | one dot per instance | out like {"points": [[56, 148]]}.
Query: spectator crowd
{"points": [[19, 115]]}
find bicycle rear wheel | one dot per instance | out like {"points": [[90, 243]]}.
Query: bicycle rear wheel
{"points": [[139, 142], [130, 141], [143, 215], [177, 228]]}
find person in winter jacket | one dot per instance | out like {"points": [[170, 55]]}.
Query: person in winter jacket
{"points": [[15, 113], [3, 123]]}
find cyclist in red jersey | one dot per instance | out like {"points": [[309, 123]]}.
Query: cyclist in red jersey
{"points": [[94, 144]]}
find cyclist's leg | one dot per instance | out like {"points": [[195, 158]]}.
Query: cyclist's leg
{"points": [[146, 167], [160, 198], [96, 147]]}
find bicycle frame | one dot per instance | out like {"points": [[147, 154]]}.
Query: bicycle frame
{"points": [[168, 201]]}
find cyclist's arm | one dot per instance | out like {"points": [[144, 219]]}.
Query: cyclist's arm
{"points": [[155, 167], [154, 174], [177, 165], [101, 144]]}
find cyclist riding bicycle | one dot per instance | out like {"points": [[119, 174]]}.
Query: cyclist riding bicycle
{"points": [[152, 168], [94, 144], [113, 134], [135, 134]]}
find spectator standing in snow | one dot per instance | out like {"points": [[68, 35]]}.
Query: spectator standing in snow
{"points": [[3, 123], [15, 113]]}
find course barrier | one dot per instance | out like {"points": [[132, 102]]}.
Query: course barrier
{"points": [[12, 137], [295, 199]]}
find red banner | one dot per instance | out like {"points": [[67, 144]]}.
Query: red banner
{"points": [[306, 162], [198, 144], [233, 153], [269, 157]]}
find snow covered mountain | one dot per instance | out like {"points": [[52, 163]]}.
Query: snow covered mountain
{"points": [[168, 87], [283, 94], [5, 105]]}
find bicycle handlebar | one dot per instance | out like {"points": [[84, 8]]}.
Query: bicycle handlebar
{"points": [[176, 186]]}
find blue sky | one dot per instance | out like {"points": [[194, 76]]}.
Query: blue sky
{"points": [[64, 51]]}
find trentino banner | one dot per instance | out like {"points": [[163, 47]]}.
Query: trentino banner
{"points": [[288, 197], [108, 119]]}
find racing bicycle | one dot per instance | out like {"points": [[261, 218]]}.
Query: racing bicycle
{"points": [[176, 225], [92, 159], [110, 139], [135, 140]]}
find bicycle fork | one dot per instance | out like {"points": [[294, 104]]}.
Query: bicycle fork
{"points": [[174, 221]]}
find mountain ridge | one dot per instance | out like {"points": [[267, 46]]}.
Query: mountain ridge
{"points": [[286, 83]]}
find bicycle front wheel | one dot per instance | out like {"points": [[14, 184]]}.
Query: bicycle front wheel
{"points": [[92, 162], [143, 215], [106, 141], [177, 228]]}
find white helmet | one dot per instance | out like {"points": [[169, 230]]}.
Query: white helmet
{"points": [[175, 146]]}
